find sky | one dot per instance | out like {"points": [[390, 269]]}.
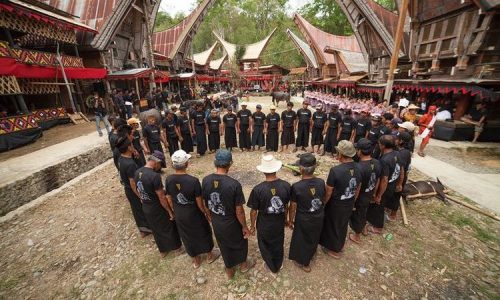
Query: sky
{"points": [[186, 6]]}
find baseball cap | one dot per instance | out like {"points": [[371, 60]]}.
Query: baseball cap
{"points": [[396, 121], [223, 156], [376, 117], [407, 125], [157, 156], [258, 106], [307, 160], [244, 104], [346, 148], [180, 157], [363, 144]]}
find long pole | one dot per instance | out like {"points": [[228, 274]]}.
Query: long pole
{"points": [[395, 53], [59, 61]]}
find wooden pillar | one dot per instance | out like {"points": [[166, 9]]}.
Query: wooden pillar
{"points": [[462, 104]]}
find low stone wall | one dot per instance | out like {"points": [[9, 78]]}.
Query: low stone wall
{"points": [[37, 184]]}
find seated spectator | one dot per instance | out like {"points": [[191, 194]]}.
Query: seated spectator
{"points": [[477, 117]]}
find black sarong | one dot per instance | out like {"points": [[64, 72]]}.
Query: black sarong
{"points": [[136, 206], [187, 142], [201, 139], [358, 216], [272, 140], [317, 136], [302, 135], [194, 229], [305, 237], [331, 139], [158, 147], [228, 233], [164, 230], [344, 136], [271, 236], [287, 136], [335, 226], [258, 136], [230, 137], [173, 144], [213, 140], [375, 212], [140, 160], [244, 137], [393, 202]]}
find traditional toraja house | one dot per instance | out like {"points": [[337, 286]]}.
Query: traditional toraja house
{"points": [[337, 57], [175, 42], [40, 69], [202, 59], [312, 68]]}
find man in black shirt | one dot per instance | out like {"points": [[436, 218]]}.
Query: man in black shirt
{"points": [[271, 127], [243, 127], [477, 117], [214, 130], [138, 154], [258, 119], [390, 179], [363, 126], [304, 117], [332, 123], [288, 126], [192, 217], [347, 127], [269, 203], [224, 198], [157, 210], [170, 132], [184, 127], [306, 213], [342, 190], [229, 128], [153, 138], [127, 169], [370, 178], [374, 134], [318, 128], [200, 127]]}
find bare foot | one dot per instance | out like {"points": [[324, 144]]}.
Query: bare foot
{"points": [[246, 266], [355, 238], [230, 273]]}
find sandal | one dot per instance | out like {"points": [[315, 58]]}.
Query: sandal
{"points": [[250, 264], [215, 256]]}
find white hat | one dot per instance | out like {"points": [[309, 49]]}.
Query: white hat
{"points": [[244, 104], [408, 126], [269, 164], [180, 157], [272, 107]]}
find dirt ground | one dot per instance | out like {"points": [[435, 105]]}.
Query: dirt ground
{"points": [[82, 243], [51, 137]]}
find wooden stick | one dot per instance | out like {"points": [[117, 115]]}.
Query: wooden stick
{"points": [[473, 207], [403, 211]]}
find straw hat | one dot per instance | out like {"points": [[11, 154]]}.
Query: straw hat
{"points": [[413, 106], [346, 148], [269, 164]]}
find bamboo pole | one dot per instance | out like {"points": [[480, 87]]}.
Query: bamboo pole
{"points": [[395, 52], [403, 211], [473, 207]]}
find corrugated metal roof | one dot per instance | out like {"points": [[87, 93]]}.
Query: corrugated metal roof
{"points": [[252, 51], [203, 58], [304, 48], [319, 40]]}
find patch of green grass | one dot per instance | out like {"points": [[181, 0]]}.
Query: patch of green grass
{"points": [[489, 293], [480, 233], [8, 283]]}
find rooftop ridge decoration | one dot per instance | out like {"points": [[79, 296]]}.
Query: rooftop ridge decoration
{"points": [[303, 48], [175, 42], [203, 58], [319, 40], [252, 51]]}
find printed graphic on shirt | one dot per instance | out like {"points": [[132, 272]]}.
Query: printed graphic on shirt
{"points": [[371, 183], [350, 190], [276, 207], [181, 199], [395, 175], [142, 192], [215, 204], [315, 204]]}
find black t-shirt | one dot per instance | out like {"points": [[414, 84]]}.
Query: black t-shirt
{"points": [[348, 125], [229, 120], [258, 118], [371, 170], [222, 194], [374, 134], [345, 179], [384, 130], [213, 123], [476, 115], [183, 124], [151, 133], [273, 120], [391, 169], [362, 126], [270, 197], [127, 167], [169, 126], [404, 158], [288, 118], [112, 138], [148, 182], [198, 117], [319, 119], [308, 194], [244, 116], [183, 189], [304, 115], [137, 140], [334, 119]]}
